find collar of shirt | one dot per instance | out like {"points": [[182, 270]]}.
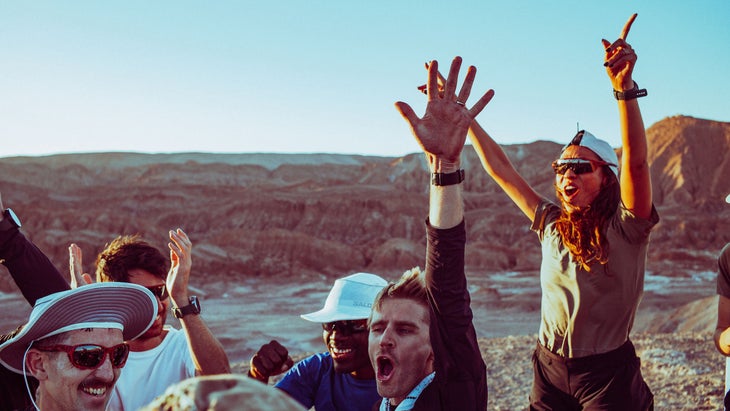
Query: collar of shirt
{"points": [[410, 400]]}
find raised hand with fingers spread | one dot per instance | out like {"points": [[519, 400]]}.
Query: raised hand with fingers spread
{"points": [[422, 341], [441, 132]]}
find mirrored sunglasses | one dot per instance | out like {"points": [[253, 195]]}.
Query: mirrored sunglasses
{"points": [[91, 356], [347, 326], [577, 165], [159, 291]]}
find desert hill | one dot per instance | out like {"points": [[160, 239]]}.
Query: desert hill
{"points": [[325, 214], [274, 230]]}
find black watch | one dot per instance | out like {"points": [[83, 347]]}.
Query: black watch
{"points": [[192, 308], [630, 94], [10, 220], [447, 179]]}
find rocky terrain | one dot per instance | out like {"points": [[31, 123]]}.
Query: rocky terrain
{"points": [[264, 215], [272, 231]]}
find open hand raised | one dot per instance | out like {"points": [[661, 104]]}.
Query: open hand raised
{"points": [[441, 132]]}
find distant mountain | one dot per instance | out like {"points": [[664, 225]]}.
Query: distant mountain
{"points": [[303, 215], [690, 162]]}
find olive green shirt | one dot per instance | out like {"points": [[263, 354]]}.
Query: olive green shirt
{"points": [[591, 312]]}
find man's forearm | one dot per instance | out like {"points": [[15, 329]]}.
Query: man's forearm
{"points": [[206, 350], [446, 207]]}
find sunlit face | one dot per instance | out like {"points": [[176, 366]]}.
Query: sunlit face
{"points": [[64, 387], [147, 279], [348, 347], [400, 347], [577, 191]]}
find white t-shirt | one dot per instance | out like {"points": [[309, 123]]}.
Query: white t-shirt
{"points": [[147, 374]]}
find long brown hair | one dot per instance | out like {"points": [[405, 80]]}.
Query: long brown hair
{"points": [[584, 232]]}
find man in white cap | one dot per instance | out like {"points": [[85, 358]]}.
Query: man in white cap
{"points": [[341, 378], [73, 343]]}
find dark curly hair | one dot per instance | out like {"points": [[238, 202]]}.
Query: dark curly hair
{"points": [[127, 253]]}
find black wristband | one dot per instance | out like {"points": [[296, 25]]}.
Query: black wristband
{"points": [[192, 308], [447, 179], [630, 94]]}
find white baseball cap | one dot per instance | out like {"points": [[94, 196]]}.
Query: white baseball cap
{"points": [[351, 298], [603, 150]]}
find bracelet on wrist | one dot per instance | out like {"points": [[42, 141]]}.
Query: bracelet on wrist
{"points": [[447, 179], [630, 94]]}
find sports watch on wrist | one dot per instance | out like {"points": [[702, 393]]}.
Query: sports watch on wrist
{"points": [[447, 179], [634, 93], [10, 220], [192, 308]]}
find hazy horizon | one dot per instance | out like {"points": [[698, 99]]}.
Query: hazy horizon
{"points": [[275, 153]]}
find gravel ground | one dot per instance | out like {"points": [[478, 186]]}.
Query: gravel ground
{"points": [[684, 371]]}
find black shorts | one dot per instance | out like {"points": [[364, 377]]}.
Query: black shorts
{"points": [[608, 381]]}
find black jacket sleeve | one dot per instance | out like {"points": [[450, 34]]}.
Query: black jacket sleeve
{"points": [[31, 270]]}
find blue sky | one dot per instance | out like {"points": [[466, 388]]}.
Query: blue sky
{"points": [[322, 76]]}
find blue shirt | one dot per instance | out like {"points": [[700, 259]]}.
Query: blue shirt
{"points": [[314, 382]]}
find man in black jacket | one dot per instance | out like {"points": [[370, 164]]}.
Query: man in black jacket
{"points": [[36, 277], [422, 341]]}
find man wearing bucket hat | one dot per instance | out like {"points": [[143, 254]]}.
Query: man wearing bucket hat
{"points": [[342, 378], [722, 330], [73, 343]]}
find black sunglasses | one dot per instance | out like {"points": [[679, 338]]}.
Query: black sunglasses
{"points": [[91, 356], [577, 165], [348, 327], [159, 291]]}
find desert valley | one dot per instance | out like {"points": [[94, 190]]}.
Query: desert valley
{"points": [[271, 232]]}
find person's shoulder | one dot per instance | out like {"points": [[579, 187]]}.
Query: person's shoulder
{"points": [[170, 330], [545, 213], [320, 363], [725, 251], [723, 260], [627, 218], [172, 334], [173, 340], [320, 359]]}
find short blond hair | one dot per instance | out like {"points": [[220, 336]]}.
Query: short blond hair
{"points": [[411, 285]]}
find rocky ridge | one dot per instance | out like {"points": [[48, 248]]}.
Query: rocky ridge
{"points": [[293, 223], [281, 215]]}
